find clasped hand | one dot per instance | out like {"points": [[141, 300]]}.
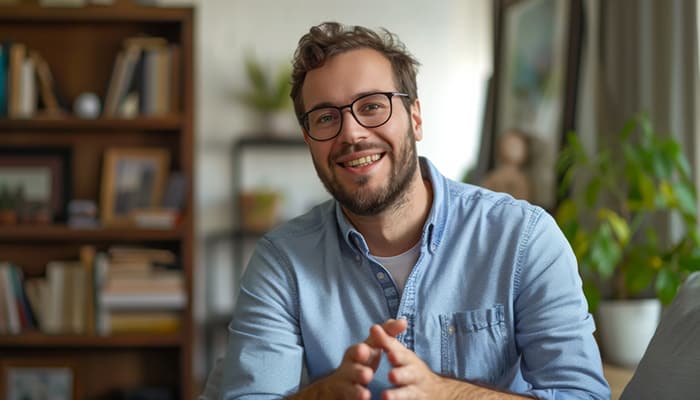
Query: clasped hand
{"points": [[411, 376]]}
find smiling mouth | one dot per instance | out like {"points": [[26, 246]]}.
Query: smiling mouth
{"points": [[362, 161]]}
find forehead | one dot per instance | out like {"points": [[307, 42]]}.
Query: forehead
{"points": [[347, 75]]}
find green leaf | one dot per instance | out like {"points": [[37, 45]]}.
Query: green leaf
{"points": [[666, 285], [605, 252], [639, 275], [689, 262], [618, 224], [592, 294], [685, 195]]}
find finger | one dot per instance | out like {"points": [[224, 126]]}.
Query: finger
{"points": [[379, 337], [397, 353], [363, 354], [360, 393], [393, 327], [404, 375], [360, 374]]}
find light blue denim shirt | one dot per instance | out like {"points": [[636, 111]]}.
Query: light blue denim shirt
{"points": [[495, 297]]}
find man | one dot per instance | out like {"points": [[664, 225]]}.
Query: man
{"points": [[407, 285]]}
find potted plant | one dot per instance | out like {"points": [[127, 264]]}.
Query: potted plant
{"points": [[612, 203], [268, 95]]}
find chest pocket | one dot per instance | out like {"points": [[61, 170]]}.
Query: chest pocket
{"points": [[473, 344]]}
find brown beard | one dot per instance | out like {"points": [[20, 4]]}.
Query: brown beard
{"points": [[393, 194]]}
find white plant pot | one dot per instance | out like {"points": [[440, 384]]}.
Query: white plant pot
{"points": [[625, 328]]}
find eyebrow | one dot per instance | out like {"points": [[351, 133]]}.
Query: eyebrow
{"points": [[357, 96]]}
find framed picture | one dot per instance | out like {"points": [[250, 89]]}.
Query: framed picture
{"points": [[536, 63], [23, 379], [35, 183], [132, 179]]}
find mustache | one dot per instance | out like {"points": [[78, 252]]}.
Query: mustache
{"points": [[356, 147]]}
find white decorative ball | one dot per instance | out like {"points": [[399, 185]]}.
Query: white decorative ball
{"points": [[87, 105]]}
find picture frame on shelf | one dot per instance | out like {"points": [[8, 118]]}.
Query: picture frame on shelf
{"points": [[537, 47], [133, 179], [26, 379], [34, 185]]}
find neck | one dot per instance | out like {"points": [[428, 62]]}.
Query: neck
{"points": [[399, 227]]}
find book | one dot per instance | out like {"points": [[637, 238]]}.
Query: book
{"points": [[47, 86], [4, 57], [27, 318], [36, 289], [17, 53], [143, 301], [9, 301], [87, 260], [27, 88], [122, 76], [4, 323], [123, 97], [155, 282], [100, 271], [144, 322]]}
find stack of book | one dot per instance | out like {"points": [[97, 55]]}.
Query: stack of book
{"points": [[139, 290], [145, 79], [121, 290]]}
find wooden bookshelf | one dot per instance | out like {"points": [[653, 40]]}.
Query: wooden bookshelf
{"points": [[80, 45]]}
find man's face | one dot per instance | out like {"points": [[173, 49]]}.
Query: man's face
{"points": [[365, 169]]}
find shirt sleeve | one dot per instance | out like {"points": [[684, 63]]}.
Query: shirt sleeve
{"points": [[264, 355], [553, 329]]}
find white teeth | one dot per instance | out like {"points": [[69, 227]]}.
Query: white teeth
{"points": [[363, 161]]}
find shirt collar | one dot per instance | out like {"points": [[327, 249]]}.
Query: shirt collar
{"points": [[434, 226]]}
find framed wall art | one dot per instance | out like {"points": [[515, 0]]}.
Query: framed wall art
{"points": [[35, 183], [26, 379], [536, 61], [132, 179]]}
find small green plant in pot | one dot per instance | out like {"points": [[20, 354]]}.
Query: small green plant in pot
{"points": [[611, 203], [268, 94]]}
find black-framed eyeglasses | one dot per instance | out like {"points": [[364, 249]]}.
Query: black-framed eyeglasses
{"points": [[370, 110]]}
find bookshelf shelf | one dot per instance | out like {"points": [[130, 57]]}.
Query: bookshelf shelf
{"points": [[106, 125], [94, 13], [34, 340], [59, 233]]}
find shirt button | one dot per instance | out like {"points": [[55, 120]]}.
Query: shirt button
{"points": [[451, 329], [357, 258], [380, 275]]}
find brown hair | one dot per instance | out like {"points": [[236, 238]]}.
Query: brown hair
{"points": [[331, 38]]}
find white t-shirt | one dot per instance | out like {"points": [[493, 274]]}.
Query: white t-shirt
{"points": [[401, 266]]}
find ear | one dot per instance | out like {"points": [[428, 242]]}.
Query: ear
{"points": [[416, 120], [307, 139]]}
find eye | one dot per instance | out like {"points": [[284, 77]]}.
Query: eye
{"points": [[370, 107], [324, 117]]}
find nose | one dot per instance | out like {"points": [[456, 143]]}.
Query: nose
{"points": [[350, 130]]}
